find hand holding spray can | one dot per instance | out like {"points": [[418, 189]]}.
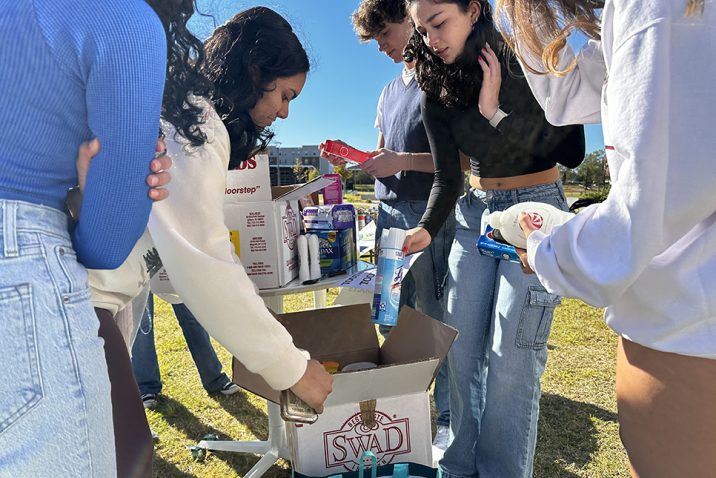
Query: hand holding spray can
{"points": [[388, 279], [378, 277]]}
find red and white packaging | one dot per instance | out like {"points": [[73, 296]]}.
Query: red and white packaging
{"points": [[251, 181], [346, 152]]}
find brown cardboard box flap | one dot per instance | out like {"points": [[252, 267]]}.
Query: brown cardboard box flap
{"points": [[417, 337], [384, 381], [343, 334], [297, 191]]}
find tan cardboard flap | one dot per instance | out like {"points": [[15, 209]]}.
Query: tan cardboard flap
{"points": [[287, 193], [344, 334], [327, 333], [417, 337], [390, 381]]}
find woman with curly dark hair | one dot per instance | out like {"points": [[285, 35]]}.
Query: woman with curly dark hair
{"points": [[73, 70], [476, 101], [243, 63], [185, 55], [257, 66]]}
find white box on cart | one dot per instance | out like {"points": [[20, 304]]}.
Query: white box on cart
{"points": [[385, 409], [264, 223]]}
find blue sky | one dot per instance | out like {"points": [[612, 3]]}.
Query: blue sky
{"points": [[340, 96]]}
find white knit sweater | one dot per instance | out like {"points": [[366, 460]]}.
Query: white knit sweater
{"points": [[189, 234], [649, 251]]}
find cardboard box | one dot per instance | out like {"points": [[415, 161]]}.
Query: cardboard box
{"points": [[264, 227], [251, 181], [337, 250], [385, 409]]}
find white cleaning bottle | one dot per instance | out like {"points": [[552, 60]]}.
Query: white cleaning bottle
{"points": [[314, 255], [304, 272], [544, 217]]}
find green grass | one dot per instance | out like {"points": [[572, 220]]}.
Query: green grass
{"points": [[573, 190], [578, 432]]}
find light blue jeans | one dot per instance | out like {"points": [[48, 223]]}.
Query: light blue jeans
{"points": [[422, 288], [55, 410], [504, 318], [144, 352]]}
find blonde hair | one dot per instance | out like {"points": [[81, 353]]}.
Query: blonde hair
{"points": [[542, 26], [694, 8]]}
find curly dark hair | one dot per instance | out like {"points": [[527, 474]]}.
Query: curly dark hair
{"points": [[458, 84], [185, 55], [370, 17], [243, 57]]}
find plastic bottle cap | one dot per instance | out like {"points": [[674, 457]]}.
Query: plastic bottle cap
{"points": [[396, 238], [494, 219]]}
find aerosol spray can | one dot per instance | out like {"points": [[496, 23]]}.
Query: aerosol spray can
{"points": [[389, 277]]}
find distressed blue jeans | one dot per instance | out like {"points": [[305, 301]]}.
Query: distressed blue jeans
{"points": [[55, 408], [504, 318]]}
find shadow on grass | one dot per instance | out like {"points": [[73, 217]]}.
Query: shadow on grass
{"points": [[567, 435], [162, 468], [241, 463], [238, 405]]}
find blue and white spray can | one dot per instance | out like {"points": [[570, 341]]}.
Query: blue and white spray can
{"points": [[378, 278], [389, 277]]}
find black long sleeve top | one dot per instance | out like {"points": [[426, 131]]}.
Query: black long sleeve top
{"points": [[523, 143]]}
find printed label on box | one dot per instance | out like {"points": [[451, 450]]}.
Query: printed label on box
{"points": [[290, 221], [488, 246], [399, 432], [388, 438], [250, 181]]}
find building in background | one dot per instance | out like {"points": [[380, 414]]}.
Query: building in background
{"points": [[282, 162]]}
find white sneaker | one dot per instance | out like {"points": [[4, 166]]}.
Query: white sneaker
{"points": [[437, 456], [230, 388], [440, 443], [442, 437], [150, 400]]}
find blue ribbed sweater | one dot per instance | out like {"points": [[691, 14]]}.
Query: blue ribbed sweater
{"points": [[71, 70]]}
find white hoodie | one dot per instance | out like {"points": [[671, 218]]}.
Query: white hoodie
{"points": [[649, 251], [189, 234]]}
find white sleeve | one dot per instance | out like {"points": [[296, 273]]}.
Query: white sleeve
{"points": [[598, 254], [576, 97], [191, 238], [379, 112], [113, 289]]}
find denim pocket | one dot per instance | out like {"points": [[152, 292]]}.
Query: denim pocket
{"points": [[21, 387], [536, 318], [74, 273]]}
